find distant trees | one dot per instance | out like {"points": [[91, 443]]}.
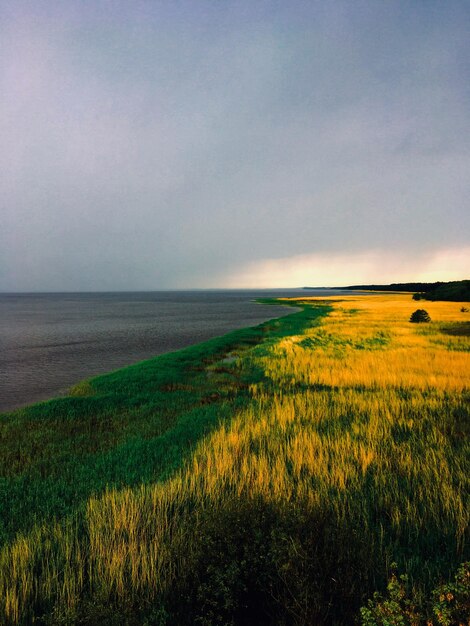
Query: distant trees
{"points": [[452, 291], [420, 316], [455, 291]]}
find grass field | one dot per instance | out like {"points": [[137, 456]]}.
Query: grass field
{"points": [[271, 476]]}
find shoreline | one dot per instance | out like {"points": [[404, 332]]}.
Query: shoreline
{"points": [[155, 409], [56, 354]]}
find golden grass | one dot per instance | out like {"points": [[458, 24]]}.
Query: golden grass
{"points": [[360, 418], [411, 357]]}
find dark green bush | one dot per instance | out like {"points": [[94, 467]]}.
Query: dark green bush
{"points": [[420, 316]]}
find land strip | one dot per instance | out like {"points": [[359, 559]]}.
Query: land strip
{"points": [[300, 459]]}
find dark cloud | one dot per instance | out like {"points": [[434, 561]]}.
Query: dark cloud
{"points": [[155, 145]]}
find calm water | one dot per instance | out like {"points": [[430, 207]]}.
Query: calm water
{"points": [[48, 342]]}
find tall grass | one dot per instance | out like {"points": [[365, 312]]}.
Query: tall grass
{"points": [[350, 454]]}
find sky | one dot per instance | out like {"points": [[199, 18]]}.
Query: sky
{"points": [[204, 144]]}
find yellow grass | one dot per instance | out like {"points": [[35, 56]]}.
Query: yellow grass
{"points": [[414, 358]]}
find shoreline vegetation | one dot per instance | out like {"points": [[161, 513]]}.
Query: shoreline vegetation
{"points": [[274, 475]]}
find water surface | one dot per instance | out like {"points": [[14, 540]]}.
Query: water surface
{"points": [[48, 342]]}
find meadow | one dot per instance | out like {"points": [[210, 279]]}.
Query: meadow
{"points": [[275, 475]]}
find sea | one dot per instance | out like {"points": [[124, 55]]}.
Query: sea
{"points": [[50, 341]]}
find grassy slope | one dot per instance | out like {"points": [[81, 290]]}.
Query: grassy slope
{"points": [[132, 426], [276, 488]]}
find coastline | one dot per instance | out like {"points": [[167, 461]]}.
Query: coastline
{"points": [[50, 343], [172, 391]]}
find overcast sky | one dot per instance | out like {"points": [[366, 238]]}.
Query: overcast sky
{"points": [[175, 144]]}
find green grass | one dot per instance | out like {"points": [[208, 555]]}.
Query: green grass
{"points": [[135, 425]]}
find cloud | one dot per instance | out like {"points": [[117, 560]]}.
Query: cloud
{"points": [[340, 269], [155, 145]]}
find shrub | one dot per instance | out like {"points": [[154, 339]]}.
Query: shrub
{"points": [[420, 316], [449, 604], [396, 609]]}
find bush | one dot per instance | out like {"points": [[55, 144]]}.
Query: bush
{"points": [[396, 609], [420, 316], [449, 604]]}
